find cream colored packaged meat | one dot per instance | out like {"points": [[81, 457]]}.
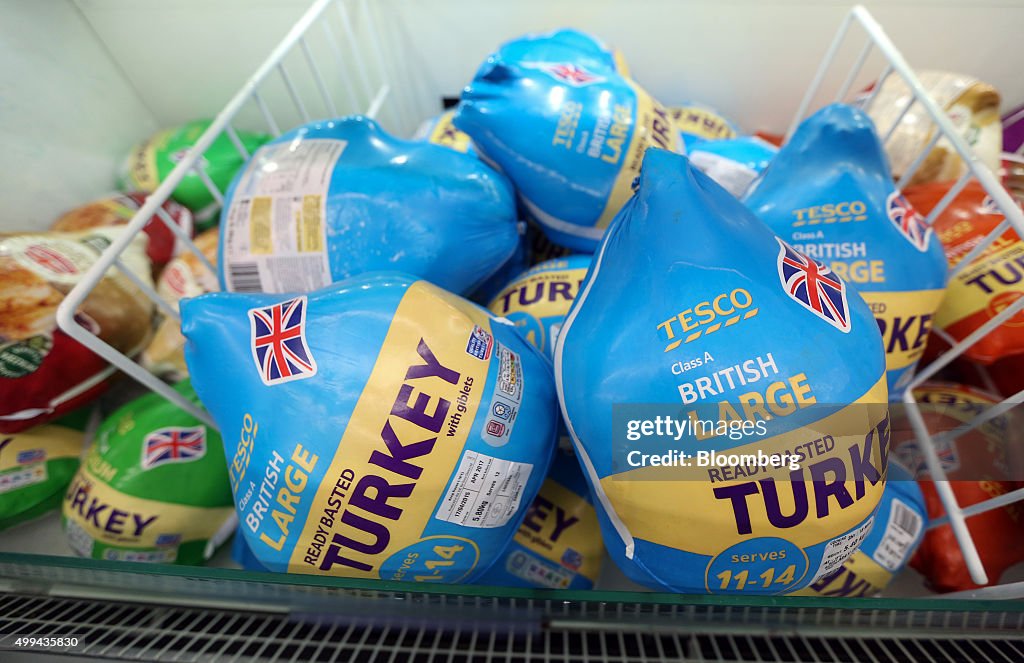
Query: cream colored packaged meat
{"points": [[185, 276], [973, 107]]}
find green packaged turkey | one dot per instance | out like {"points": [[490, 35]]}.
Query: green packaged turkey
{"points": [[35, 468], [153, 487], [152, 160]]}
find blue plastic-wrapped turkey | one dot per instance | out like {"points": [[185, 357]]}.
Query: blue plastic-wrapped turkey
{"points": [[334, 199], [771, 371], [569, 130], [563, 44], [829, 192], [379, 428]]}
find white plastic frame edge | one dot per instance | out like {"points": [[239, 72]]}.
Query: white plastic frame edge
{"points": [[153, 206], [876, 37]]}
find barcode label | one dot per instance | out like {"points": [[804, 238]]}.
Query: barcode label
{"points": [[905, 519], [276, 235], [901, 531], [244, 277], [486, 491]]}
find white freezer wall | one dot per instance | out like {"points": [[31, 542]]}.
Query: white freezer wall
{"points": [[751, 58], [126, 66], [67, 113]]}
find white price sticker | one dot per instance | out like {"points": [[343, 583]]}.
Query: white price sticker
{"points": [[486, 491], [840, 549]]}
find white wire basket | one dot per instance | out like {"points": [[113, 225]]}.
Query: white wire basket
{"points": [[330, 68]]}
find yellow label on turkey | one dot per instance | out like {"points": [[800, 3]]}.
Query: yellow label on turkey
{"points": [[905, 319], [859, 576], [984, 281], [445, 133], [541, 295], [653, 127], [114, 518], [549, 530], [842, 474], [399, 448], [142, 170], [286, 498], [48, 443]]}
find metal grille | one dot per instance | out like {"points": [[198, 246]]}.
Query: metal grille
{"points": [[126, 631], [457, 604]]}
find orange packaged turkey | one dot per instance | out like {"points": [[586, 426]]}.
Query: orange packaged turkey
{"points": [[993, 280], [980, 464]]}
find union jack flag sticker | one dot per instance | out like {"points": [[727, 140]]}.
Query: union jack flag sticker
{"points": [[566, 72], [173, 445], [279, 342], [814, 286], [908, 221]]}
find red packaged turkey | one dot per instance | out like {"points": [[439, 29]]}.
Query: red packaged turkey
{"points": [[980, 464], [1006, 375], [44, 372], [117, 210], [993, 280]]}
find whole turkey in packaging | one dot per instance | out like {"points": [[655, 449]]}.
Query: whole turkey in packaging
{"points": [[153, 487], [830, 194], [43, 371], [990, 283], [36, 466], [380, 427], [705, 374], [335, 199], [570, 131]]}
